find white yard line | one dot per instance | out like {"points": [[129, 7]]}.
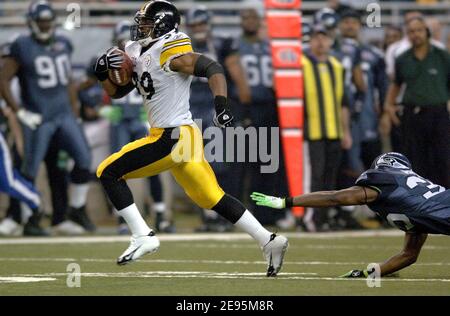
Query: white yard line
{"points": [[183, 261], [194, 237], [24, 279], [204, 274]]}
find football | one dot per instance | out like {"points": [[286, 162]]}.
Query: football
{"points": [[122, 76]]}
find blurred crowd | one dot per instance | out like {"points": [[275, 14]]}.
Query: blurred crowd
{"points": [[361, 99]]}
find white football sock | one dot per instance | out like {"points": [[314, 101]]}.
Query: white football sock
{"points": [[250, 225], [78, 194], [135, 221], [159, 207]]}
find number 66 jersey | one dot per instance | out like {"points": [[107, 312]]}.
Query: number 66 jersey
{"points": [[165, 93], [408, 201]]}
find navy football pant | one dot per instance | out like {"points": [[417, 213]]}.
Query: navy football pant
{"points": [[68, 135]]}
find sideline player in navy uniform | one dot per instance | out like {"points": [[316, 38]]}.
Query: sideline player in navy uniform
{"points": [[41, 61], [256, 61], [163, 64], [366, 141], [396, 193]]}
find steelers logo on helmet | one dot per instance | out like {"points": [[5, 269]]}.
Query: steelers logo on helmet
{"points": [[154, 20], [392, 160]]}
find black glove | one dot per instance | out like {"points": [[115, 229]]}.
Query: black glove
{"points": [[112, 59], [223, 117]]}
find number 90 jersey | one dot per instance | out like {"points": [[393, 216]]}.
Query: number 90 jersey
{"points": [[408, 201], [44, 73], [165, 93]]}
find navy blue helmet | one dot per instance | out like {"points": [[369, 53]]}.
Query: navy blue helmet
{"points": [[198, 15], [391, 160], [121, 32], [327, 17], [41, 20]]}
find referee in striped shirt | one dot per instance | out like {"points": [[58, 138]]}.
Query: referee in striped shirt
{"points": [[326, 118]]}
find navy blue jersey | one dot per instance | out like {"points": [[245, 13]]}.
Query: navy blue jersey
{"points": [[256, 61], [348, 52], [44, 74], [409, 201], [375, 77]]}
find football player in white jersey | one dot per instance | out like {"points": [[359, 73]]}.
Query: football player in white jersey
{"points": [[163, 67]]}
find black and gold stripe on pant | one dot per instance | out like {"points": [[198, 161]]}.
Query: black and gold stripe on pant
{"points": [[132, 157]]}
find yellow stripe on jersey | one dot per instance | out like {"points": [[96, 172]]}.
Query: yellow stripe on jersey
{"points": [[339, 88], [187, 40], [312, 106], [328, 102], [174, 51]]}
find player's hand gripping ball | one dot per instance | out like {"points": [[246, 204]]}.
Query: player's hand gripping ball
{"points": [[121, 67]]}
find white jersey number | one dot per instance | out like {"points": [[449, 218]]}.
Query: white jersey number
{"points": [[401, 221], [258, 70], [52, 71], [413, 181]]}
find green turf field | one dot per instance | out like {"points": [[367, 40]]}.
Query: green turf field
{"points": [[229, 264]]}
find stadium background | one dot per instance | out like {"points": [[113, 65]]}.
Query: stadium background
{"points": [[94, 34], [314, 260]]}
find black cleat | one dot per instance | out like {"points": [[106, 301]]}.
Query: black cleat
{"points": [[79, 216]]}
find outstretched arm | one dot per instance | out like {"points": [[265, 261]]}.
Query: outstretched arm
{"points": [[411, 250], [355, 195]]}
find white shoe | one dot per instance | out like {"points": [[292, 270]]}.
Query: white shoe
{"points": [[68, 228], [9, 227], [274, 252], [139, 246]]}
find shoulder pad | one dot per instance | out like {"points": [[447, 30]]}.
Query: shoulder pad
{"points": [[374, 178]]}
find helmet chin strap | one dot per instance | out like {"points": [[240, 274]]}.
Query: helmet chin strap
{"points": [[148, 40]]}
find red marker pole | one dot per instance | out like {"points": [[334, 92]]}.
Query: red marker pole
{"points": [[284, 28]]}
